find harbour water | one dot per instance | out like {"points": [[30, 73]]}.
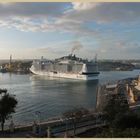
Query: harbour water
{"points": [[52, 97]]}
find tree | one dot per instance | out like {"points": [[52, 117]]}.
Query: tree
{"points": [[75, 115], [128, 120], [119, 133], [116, 106], [3, 91], [7, 107], [122, 121]]}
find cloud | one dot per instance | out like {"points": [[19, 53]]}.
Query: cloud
{"points": [[118, 49], [105, 12], [54, 50], [31, 16], [84, 5], [100, 22], [31, 9], [62, 48], [74, 20], [66, 17]]}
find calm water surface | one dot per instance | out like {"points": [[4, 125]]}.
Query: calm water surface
{"points": [[52, 97]]}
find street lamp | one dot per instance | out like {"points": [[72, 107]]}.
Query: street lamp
{"points": [[38, 114], [66, 128], [11, 126]]}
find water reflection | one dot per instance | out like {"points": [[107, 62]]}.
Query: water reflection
{"points": [[64, 94]]}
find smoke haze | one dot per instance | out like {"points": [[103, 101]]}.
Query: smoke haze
{"points": [[76, 46]]}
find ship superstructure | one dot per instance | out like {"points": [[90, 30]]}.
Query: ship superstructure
{"points": [[66, 67]]}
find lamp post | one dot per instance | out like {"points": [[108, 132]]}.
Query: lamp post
{"points": [[48, 132], [66, 127], [38, 114], [11, 126], [66, 133], [34, 129]]}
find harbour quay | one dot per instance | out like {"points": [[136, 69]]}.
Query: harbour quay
{"points": [[56, 127]]}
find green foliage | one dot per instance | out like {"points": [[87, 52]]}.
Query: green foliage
{"points": [[119, 133], [122, 121], [7, 106], [115, 107], [124, 124], [3, 91], [127, 120]]}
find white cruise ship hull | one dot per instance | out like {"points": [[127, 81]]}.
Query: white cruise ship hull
{"points": [[65, 75]]}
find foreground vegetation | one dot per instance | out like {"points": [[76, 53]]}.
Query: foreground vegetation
{"points": [[121, 121], [8, 103]]}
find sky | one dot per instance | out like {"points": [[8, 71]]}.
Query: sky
{"points": [[31, 30]]}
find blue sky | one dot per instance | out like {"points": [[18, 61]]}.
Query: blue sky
{"points": [[32, 30]]}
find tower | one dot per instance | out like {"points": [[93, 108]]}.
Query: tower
{"points": [[138, 80], [96, 58], [96, 62], [10, 61]]}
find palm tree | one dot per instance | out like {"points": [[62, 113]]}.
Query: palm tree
{"points": [[7, 107]]}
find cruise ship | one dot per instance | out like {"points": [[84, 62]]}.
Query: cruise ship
{"points": [[66, 67]]}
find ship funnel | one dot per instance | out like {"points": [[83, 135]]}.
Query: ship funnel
{"points": [[84, 68]]}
